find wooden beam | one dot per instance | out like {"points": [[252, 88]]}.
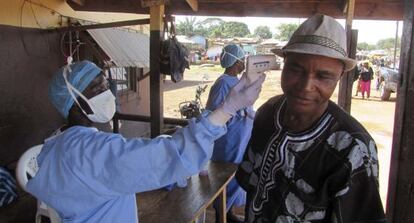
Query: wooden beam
{"points": [[93, 47], [350, 13], [79, 2], [400, 200], [344, 6], [193, 4], [364, 9], [150, 3], [345, 84], [106, 25], [156, 83]]}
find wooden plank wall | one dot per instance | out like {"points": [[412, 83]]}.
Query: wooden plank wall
{"points": [[400, 202]]}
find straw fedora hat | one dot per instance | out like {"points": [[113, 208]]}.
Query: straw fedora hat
{"points": [[319, 35]]}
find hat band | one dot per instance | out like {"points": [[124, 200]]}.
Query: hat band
{"points": [[317, 40]]}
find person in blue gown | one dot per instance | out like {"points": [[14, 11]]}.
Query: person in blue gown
{"points": [[231, 146], [91, 176]]}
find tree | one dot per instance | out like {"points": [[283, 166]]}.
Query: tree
{"points": [[210, 22], [366, 46], [388, 44], [285, 31], [234, 29], [201, 30], [212, 27], [215, 33], [187, 27], [263, 32]]}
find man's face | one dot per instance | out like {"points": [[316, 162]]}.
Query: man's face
{"points": [[240, 65], [97, 86], [308, 81]]}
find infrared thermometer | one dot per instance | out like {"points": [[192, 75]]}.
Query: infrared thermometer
{"points": [[256, 65]]}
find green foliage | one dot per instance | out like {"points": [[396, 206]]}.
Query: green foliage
{"points": [[388, 44], [234, 29], [383, 44], [200, 30], [211, 27], [285, 31], [263, 32], [215, 33], [366, 46], [187, 27], [209, 22]]}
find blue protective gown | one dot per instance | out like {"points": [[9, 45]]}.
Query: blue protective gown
{"points": [[231, 147], [92, 176]]}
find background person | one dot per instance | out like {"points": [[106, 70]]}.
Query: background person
{"points": [[308, 160], [231, 146], [92, 176], [366, 75], [357, 73]]}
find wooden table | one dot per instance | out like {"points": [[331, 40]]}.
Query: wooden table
{"points": [[184, 205]]}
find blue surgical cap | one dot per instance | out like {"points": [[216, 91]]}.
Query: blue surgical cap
{"points": [[230, 54], [81, 76]]}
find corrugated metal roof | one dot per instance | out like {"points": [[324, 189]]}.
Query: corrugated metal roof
{"points": [[126, 48]]}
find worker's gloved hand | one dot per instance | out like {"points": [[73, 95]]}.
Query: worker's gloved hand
{"points": [[250, 113], [242, 95]]}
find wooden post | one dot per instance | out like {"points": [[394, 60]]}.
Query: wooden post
{"points": [[396, 44], [400, 200], [193, 4], [345, 84], [156, 85], [347, 79]]}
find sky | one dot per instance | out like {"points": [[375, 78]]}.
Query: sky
{"points": [[369, 31]]}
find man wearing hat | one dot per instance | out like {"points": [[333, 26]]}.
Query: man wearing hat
{"points": [[307, 159]]}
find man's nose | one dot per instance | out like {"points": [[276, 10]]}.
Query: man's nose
{"points": [[308, 83]]}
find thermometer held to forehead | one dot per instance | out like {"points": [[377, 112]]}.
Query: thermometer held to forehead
{"points": [[256, 65]]}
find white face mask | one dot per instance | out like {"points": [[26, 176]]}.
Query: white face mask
{"points": [[102, 105]]}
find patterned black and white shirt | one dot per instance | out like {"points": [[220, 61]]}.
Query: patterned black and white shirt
{"points": [[328, 173]]}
